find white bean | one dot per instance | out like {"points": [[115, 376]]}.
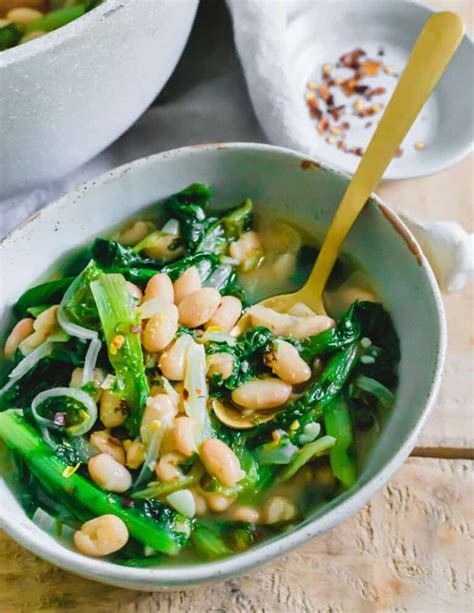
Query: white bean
{"points": [[310, 326], [242, 513], [185, 429], [136, 232], [44, 325], [300, 310], [245, 246], [283, 324], [278, 509], [286, 363], [227, 314], [172, 361], [158, 408], [136, 453], [167, 467], [220, 461], [160, 329], [113, 410], [98, 377], [262, 394], [188, 283], [162, 249], [23, 15], [160, 286], [101, 536], [106, 443], [109, 474], [20, 332], [221, 363], [218, 502], [197, 308]]}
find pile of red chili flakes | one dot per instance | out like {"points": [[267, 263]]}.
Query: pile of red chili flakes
{"points": [[333, 119]]}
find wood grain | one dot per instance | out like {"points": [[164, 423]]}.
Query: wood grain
{"points": [[407, 550]]}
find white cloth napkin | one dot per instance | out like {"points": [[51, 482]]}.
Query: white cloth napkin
{"points": [[260, 37]]}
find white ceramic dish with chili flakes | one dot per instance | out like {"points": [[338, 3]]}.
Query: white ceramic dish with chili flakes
{"points": [[347, 57]]}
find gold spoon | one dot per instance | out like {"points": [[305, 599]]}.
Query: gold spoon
{"points": [[431, 54]]}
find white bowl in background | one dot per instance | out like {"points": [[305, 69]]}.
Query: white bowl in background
{"points": [[320, 32], [67, 95], [285, 185]]}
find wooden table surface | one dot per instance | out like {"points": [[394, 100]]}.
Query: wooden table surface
{"points": [[410, 549]]}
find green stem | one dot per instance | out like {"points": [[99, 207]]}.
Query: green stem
{"points": [[338, 423], [48, 469]]}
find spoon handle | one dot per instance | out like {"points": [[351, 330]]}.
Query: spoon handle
{"points": [[431, 54]]}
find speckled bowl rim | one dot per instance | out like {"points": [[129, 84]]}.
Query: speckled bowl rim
{"points": [[179, 576], [62, 34]]}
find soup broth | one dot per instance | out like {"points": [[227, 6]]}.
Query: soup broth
{"points": [[150, 397]]}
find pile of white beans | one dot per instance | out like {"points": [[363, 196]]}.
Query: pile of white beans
{"points": [[187, 303]]}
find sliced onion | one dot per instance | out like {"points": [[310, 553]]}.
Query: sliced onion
{"points": [[171, 227], [219, 277], [67, 325], [196, 385], [169, 389], [217, 337], [51, 525], [27, 364], [74, 329], [183, 502], [91, 360], [152, 307], [69, 392]]}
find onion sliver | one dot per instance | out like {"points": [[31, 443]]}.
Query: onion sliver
{"points": [[27, 364], [196, 385], [152, 307], [74, 329], [91, 360], [69, 392], [171, 227]]}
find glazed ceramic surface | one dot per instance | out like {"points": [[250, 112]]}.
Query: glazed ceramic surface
{"points": [[282, 185], [320, 32], [66, 96]]}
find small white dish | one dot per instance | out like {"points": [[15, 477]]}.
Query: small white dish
{"points": [[320, 32], [284, 184]]}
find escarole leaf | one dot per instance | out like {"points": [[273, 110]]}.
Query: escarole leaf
{"points": [[338, 423], [226, 228], [43, 295], [123, 343], [161, 529], [78, 307], [187, 206]]}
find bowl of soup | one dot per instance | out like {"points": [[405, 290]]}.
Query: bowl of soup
{"points": [[160, 428], [76, 75]]}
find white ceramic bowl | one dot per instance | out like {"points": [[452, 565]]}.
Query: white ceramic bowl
{"points": [[66, 96], [282, 184], [320, 32]]}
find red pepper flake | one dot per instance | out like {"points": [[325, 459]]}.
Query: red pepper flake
{"points": [[345, 125], [324, 91], [371, 67], [136, 329], [185, 393], [337, 111], [314, 109], [368, 124], [352, 59], [377, 91], [341, 145], [323, 125], [356, 151], [398, 153]]}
